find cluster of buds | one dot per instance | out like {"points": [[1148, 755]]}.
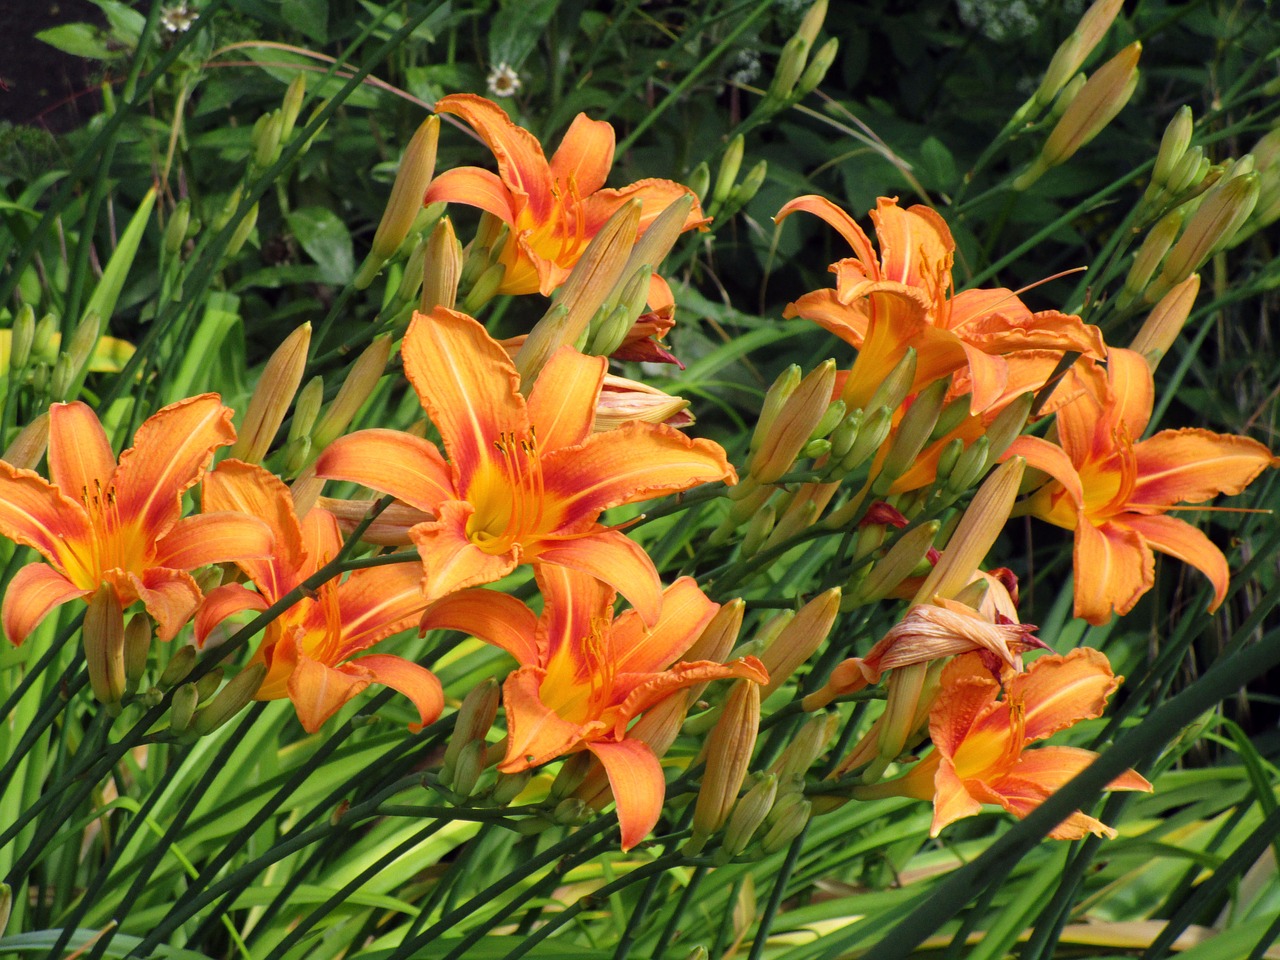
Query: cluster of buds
{"points": [[798, 73]]}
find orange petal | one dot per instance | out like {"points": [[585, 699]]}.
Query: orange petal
{"points": [[35, 513], [1179, 539], [841, 221], [467, 384], [170, 596], [450, 560], [1053, 460], [222, 602], [407, 467], [1133, 390], [521, 162], [473, 187], [612, 558], [562, 404], [170, 453], [685, 611], [35, 590], [249, 489], [318, 691], [416, 682], [1191, 466], [1060, 691], [581, 163], [494, 617], [654, 196], [1113, 566], [321, 539], [80, 457], [915, 244], [536, 733], [848, 321], [376, 603], [572, 602], [214, 538], [638, 461], [638, 786], [652, 689], [951, 800], [988, 376], [967, 693]]}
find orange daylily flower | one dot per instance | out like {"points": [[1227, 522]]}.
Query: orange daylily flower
{"points": [[309, 649], [97, 522], [903, 299], [585, 676], [979, 741], [525, 480], [553, 209], [1114, 490]]}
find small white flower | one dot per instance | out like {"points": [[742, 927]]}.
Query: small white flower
{"points": [[504, 81], [179, 18]]}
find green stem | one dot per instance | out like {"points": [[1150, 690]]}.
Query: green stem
{"points": [[776, 895]]}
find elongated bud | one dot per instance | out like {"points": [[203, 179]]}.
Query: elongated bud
{"points": [[571, 775], [976, 532], [104, 647], [22, 338], [699, 181], [175, 232], [1150, 254], [875, 430], [653, 245], [969, 466], [613, 323], [242, 232], [775, 399], [266, 139], [888, 573], [948, 459], [305, 410], [727, 175], [818, 66], [233, 698], [83, 340], [442, 269], [953, 414], [176, 670], [800, 514], [803, 750], [718, 637], [794, 424], [1101, 98], [182, 709], [749, 814], [467, 767], [1190, 172], [1165, 321], [208, 685], [742, 194], [509, 786], [1073, 52], [137, 648], [29, 445], [417, 167], [291, 106], [800, 638], [355, 390], [894, 388], [1067, 97], [272, 397], [832, 418], [476, 714], [728, 754], [1221, 213], [63, 380], [623, 401], [571, 812], [911, 436], [787, 819], [409, 286], [1173, 146], [593, 277], [1007, 425], [485, 288], [758, 529], [790, 66]]}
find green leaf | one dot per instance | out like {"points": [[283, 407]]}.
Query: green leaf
{"points": [[126, 23], [42, 941], [77, 39], [309, 16], [327, 241]]}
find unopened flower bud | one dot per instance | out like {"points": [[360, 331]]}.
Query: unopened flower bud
{"points": [[1070, 56], [104, 647], [800, 638], [29, 445], [805, 747], [291, 105], [727, 175], [800, 514], [485, 288], [242, 232], [875, 430], [948, 458], [208, 685], [468, 764], [442, 268], [794, 423], [1007, 426], [758, 529], [1190, 173], [743, 193], [894, 388], [718, 637], [233, 698], [83, 340], [911, 436], [699, 181], [1221, 213], [728, 754], [775, 399], [1173, 146], [571, 775], [895, 566], [1066, 97], [818, 66], [137, 648], [969, 467], [749, 813], [789, 816], [272, 397], [790, 66], [358, 386], [175, 232], [1150, 254], [571, 812], [22, 338], [417, 167], [509, 786], [1165, 321], [182, 708], [266, 140], [478, 710], [176, 670], [815, 449]]}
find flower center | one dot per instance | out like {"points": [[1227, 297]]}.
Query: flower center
{"points": [[509, 497]]}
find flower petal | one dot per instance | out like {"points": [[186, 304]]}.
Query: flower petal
{"points": [[170, 596], [535, 733], [635, 775], [643, 691], [843, 223], [581, 163], [473, 187], [222, 602], [374, 604], [571, 602], [33, 512], [416, 682], [1179, 539], [34, 590], [686, 610], [494, 617], [915, 245], [81, 460], [468, 386], [1113, 566], [612, 558], [318, 691], [1060, 691], [1192, 466], [967, 694], [562, 403], [450, 560], [249, 489], [951, 799], [407, 467], [1053, 460], [170, 452], [654, 195], [223, 537]]}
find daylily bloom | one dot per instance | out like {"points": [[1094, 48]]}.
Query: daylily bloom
{"points": [[1114, 490], [121, 525], [525, 480], [310, 649], [980, 741], [903, 299], [553, 209], [585, 676]]}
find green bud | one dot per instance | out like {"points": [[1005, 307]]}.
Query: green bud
{"points": [[1007, 426], [223, 216], [775, 399], [23, 337], [175, 232], [43, 346], [1149, 256], [266, 139], [1173, 145], [844, 434], [699, 181], [897, 385], [291, 106], [896, 565], [208, 685], [470, 763], [83, 340], [790, 66], [805, 747], [727, 175], [485, 288], [811, 23], [510, 786], [306, 408], [741, 195], [970, 467], [758, 529], [947, 459], [183, 708], [817, 69], [816, 448], [788, 818], [571, 812], [242, 232], [357, 387], [913, 432], [952, 415], [233, 698], [749, 814], [478, 710], [63, 380], [873, 433]]}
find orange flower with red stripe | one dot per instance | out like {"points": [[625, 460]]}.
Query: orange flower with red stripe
{"points": [[553, 209], [584, 676], [980, 741], [526, 480], [98, 522], [310, 649], [1114, 490]]}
